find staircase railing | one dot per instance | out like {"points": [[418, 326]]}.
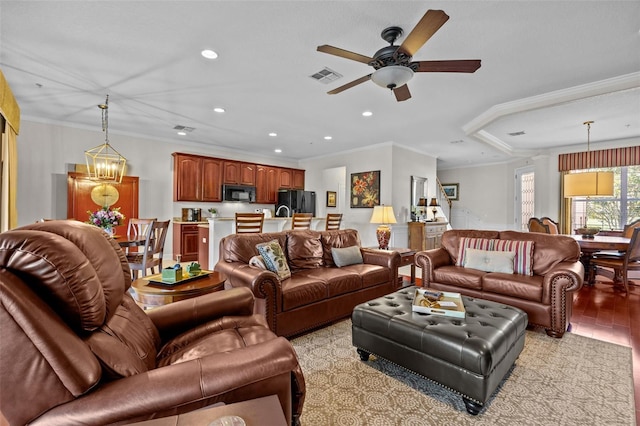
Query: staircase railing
{"points": [[444, 201]]}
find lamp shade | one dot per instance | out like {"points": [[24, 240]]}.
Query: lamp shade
{"points": [[383, 214], [433, 203], [588, 184], [422, 202], [392, 76]]}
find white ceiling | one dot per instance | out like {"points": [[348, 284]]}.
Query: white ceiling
{"points": [[546, 67]]}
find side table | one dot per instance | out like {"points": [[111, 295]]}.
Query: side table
{"points": [[255, 412], [407, 256], [150, 295]]}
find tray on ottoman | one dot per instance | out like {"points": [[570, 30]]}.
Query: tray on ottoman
{"points": [[469, 355]]}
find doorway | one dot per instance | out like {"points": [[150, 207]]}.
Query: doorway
{"points": [[524, 197]]}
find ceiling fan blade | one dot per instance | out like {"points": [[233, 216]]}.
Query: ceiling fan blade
{"points": [[428, 25], [402, 93], [350, 85], [325, 48], [463, 65]]}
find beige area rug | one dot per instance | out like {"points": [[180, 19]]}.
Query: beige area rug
{"points": [[570, 381]]}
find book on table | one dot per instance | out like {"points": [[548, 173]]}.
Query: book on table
{"points": [[436, 302]]}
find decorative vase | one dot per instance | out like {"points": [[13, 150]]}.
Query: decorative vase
{"points": [[109, 230]]}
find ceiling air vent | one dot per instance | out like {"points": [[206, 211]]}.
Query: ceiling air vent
{"points": [[520, 133], [326, 75], [184, 128]]}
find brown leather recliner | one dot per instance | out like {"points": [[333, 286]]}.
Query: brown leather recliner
{"points": [[76, 349]]}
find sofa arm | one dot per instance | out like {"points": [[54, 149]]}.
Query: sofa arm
{"points": [[429, 260], [184, 386], [562, 280], [264, 285], [387, 258], [173, 319]]}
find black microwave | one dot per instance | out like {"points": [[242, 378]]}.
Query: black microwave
{"points": [[242, 193]]}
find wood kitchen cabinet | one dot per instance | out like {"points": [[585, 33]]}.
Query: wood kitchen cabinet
{"points": [[196, 178], [185, 242], [285, 179], [238, 173], [298, 179], [266, 184]]}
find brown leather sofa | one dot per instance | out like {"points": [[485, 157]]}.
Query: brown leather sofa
{"points": [[318, 292], [76, 349], [546, 296]]}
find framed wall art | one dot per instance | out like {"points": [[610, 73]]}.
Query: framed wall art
{"points": [[365, 189], [331, 198], [451, 189]]}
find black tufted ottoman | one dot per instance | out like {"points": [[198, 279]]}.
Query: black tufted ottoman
{"points": [[468, 355]]}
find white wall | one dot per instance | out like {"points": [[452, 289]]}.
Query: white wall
{"points": [[46, 152], [396, 165], [486, 193]]}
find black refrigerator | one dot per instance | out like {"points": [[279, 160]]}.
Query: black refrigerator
{"points": [[296, 201]]}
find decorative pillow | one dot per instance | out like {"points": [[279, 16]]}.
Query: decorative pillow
{"points": [[489, 261], [274, 258], [346, 256], [474, 243], [523, 261], [257, 262]]}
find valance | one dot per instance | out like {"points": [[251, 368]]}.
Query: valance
{"points": [[8, 105], [615, 157]]}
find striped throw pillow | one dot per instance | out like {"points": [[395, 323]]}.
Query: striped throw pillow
{"points": [[474, 243], [523, 261]]}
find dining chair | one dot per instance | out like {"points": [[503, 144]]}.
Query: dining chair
{"points": [[629, 228], [551, 225], [536, 225], [333, 221], [249, 223], [151, 254], [301, 220], [137, 227], [621, 265]]}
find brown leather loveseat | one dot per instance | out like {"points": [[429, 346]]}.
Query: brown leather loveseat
{"points": [[545, 295], [318, 292], [76, 349]]}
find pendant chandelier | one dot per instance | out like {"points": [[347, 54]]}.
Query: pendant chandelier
{"points": [[104, 163], [589, 183]]}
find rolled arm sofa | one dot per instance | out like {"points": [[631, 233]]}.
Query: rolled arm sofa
{"points": [[552, 269], [317, 292], [76, 349]]}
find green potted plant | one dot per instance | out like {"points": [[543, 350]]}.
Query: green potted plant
{"points": [[213, 211]]}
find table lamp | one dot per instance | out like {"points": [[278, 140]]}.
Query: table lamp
{"points": [[383, 215], [422, 202], [434, 204]]}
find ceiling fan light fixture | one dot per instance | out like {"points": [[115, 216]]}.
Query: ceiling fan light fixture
{"points": [[392, 76]]}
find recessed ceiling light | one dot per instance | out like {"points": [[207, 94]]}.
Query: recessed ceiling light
{"points": [[218, 109], [367, 114], [273, 134], [182, 133], [328, 138], [278, 150], [209, 54]]}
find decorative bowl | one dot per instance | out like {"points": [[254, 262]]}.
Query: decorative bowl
{"points": [[587, 232]]}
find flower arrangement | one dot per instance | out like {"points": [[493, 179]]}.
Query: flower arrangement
{"points": [[106, 218]]}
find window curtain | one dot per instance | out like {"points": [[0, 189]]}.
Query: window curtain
{"points": [[615, 157], [10, 127]]}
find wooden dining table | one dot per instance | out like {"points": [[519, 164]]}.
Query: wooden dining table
{"points": [[588, 246], [130, 240]]}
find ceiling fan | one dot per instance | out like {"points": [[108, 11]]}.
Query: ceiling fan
{"points": [[393, 66]]}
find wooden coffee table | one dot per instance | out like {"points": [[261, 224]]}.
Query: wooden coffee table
{"points": [[150, 294]]}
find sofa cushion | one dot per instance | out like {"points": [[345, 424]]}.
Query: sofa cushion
{"points": [[371, 275], [514, 285], [301, 290], [471, 243], [451, 240], [304, 249], [274, 258], [338, 238], [459, 276], [337, 280], [489, 261], [523, 260], [549, 249], [346, 256], [242, 247]]}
